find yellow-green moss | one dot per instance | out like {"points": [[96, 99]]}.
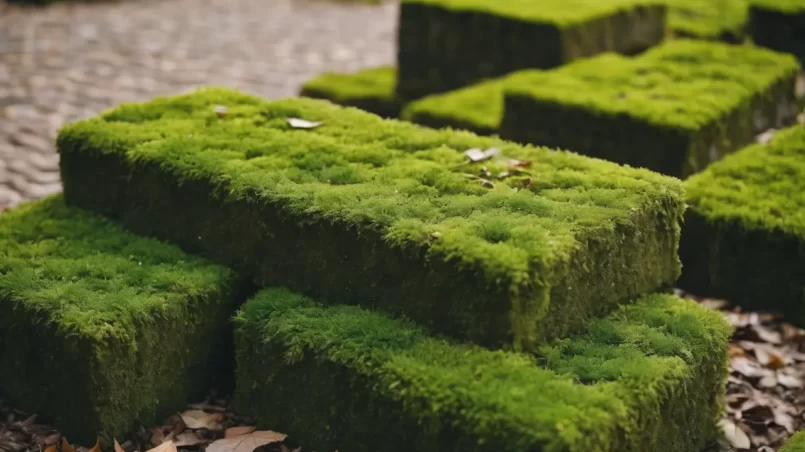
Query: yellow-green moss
{"points": [[648, 378], [674, 109], [795, 444], [709, 19], [382, 212], [101, 330], [744, 236], [369, 89]]}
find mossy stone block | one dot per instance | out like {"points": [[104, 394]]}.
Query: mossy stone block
{"points": [[506, 252], [718, 20], [101, 330], [673, 110], [648, 378], [779, 25], [372, 90], [448, 44], [744, 233], [795, 444]]}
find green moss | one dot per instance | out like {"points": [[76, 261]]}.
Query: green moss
{"points": [[380, 211], [101, 330], [779, 25], [709, 19], [449, 44], [370, 89], [744, 236], [795, 444], [477, 108], [650, 377], [674, 109]]}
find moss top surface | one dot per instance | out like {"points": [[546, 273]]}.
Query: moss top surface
{"points": [[92, 278], [707, 19], [761, 186], [559, 12], [413, 185], [374, 83], [683, 84], [786, 6], [795, 444], [584, 390], [480, 105]]}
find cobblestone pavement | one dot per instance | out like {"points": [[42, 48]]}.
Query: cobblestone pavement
{"points": [[73, 60]]}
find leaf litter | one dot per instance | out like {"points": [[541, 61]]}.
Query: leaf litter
{"points": [[765, 403], [209, 426]]}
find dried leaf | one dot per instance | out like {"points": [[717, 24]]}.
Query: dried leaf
{"points": [[519, 163], [479, 155], [487, 184], [196, 419], [65, 446], [785, 421], [734, 434], [118, 447], [157, 436], [767, 335], [245, 443], [237, 431], [747, 368], [297, 123], [220, 110], [713, 303], [188, 439], [97, 446], [167, 446], [790, 381]]}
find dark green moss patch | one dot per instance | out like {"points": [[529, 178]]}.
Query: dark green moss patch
{"points": [[448, 44], [723, 20], [382, 212], [370, 89], [674, 109], [795, 444], [101, 330], [779, 25], [650, 377], [744, 234]]}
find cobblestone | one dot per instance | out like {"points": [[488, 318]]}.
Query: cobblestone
{"points": [[72, 60]]}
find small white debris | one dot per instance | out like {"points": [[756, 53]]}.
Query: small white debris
{"points": [[220, 110], [478, 155], [297, 123], [766, 136]]}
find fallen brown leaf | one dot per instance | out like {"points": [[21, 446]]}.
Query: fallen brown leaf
{"points": [[188, 439], [237, 431], [97, 446], [118, 447], [246, 443], [196, 419], [65, 446], [478, 155]]}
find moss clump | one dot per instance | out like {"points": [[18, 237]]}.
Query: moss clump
{"points": [[370, 89], [650, 377], [382, 212], [723, 20], [744, 234], [795, 444], [779, 25], [101, 330], [674, 109], [448, 44]]}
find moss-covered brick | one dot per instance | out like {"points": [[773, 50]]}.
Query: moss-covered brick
{"points": [[477, 108], [795, 444], [723, 20], [744, 233], [779, 25], [648, 378], [369, 89], [674, 109], [101, 330], [448, 44], [382, 212]]}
